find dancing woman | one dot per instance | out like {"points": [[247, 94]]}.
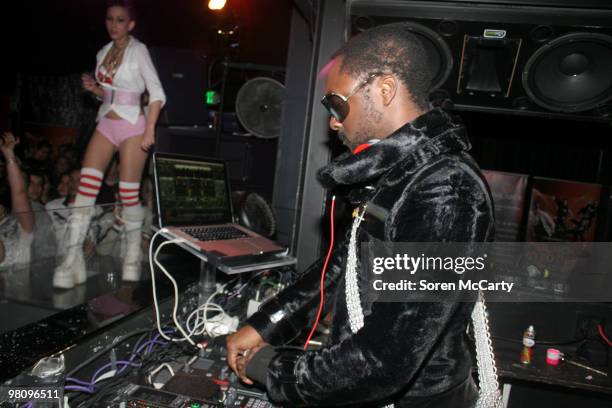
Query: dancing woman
{"points": [[123, 71]]}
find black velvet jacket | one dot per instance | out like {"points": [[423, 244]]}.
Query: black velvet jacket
{"points": [[429, 190]]}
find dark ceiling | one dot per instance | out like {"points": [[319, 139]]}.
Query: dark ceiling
{"points": [[62, 36]]}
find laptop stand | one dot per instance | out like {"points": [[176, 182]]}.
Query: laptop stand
{"points": [[230, 266]]}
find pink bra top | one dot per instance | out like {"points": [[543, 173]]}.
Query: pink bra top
{"points": [[103, 76]]}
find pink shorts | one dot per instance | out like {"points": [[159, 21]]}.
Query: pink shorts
{"points": [[117, 130]]}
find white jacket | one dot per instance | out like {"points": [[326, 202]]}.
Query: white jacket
{"points": [[135, 74]]}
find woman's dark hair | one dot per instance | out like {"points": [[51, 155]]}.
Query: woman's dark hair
{"points": [[126, 4]]}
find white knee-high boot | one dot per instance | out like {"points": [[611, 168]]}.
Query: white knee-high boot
{"points": [[133, 219], [72, 270]]}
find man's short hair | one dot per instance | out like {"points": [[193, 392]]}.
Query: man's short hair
{"points": [[29, 173], [391, 48]]}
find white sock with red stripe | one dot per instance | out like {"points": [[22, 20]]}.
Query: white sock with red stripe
{"points": [[89, 187], [129, 194]]}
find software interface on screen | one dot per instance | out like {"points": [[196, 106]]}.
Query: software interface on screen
{"points": [[192, 192]]}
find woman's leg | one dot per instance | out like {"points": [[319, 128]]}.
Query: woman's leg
{"points": [[132, 160], [98, 155], [72, 270]]}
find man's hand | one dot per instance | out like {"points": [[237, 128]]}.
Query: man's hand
{"points": [[244, 341], [243, 360]]}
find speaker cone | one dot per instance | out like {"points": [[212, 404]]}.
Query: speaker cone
{"points": [[572, 73], [438, 52]]}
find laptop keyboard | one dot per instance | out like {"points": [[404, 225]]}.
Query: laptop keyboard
{"points": [[215, 233]]}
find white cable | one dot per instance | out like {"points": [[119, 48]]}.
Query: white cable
{"points": [[152, 269], [208, 302], [213, 326], [158, 369], [155, 371], [201, 323], [106, 375], [208, 306], [215, 308], [152, 261], [175, 286]]}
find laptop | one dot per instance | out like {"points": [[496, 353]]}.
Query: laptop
{"points": [[194, 203]]}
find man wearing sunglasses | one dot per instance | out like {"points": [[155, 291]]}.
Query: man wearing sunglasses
{"points": [[410, 162]]}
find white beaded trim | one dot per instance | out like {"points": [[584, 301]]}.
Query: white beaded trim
{"points": [[353, 299], [489, 395]]}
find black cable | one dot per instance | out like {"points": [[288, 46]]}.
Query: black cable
{"points": [[80, 397], [219, 127], [118, 381], [106, 349], [168, 354]]}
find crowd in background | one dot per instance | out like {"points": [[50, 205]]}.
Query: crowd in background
{"points": [[33, 231]]}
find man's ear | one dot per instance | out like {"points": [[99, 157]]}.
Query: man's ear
{"points": [[388, 85], [131, 25]]}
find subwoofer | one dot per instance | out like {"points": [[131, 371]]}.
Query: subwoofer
{"points": [[526, 59]]}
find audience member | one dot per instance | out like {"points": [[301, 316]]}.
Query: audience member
{"points": [[62, 165], [36, 184], [43, 245], [16, 218], [41, 157], [63, 184]]}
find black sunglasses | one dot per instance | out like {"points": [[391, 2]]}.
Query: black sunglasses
{"points": [[337, 105]]}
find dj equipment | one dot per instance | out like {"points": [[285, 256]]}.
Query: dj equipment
{"points": [[201, 380]]}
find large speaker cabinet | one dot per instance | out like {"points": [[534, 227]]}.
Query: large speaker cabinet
{"points": [[525, 59], [183, 76]]}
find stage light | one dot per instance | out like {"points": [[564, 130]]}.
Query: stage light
{"points": [[216, 4]]}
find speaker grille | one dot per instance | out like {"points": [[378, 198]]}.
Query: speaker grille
{"points": [[572, 73], [519, 59]]}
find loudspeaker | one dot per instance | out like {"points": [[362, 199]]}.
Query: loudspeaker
{"points": [[524, 59], [188, 140], [184, 77], [251, 161]]}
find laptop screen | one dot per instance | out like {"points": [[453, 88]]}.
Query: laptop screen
{"points": [[192, 191]]}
